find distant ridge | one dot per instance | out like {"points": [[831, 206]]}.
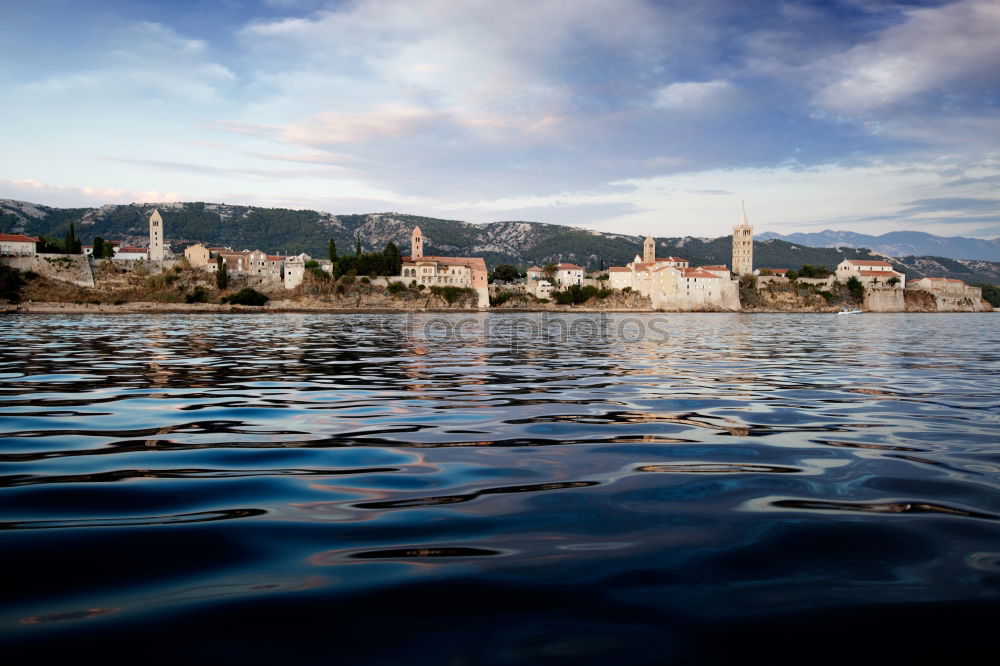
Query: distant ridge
{"points": [[520, 243], [900, 243]]}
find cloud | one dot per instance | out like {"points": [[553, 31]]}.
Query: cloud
{"points": [[695, 96], [85, 195], [928, 52]]}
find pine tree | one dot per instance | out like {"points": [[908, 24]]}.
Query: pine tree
{"points": [[72, 244], [332, 251], [357, 245], [393, 260], [221, 273]]}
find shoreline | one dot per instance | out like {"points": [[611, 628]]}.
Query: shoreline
{"points": [[280, 308]]}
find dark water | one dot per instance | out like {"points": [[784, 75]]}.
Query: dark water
{"points": [[468, 490]]}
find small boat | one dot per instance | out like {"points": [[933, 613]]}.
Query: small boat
{"points": [[850, 311]]}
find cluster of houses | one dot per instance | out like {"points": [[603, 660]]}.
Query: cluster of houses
{"points": [[669, 282]]}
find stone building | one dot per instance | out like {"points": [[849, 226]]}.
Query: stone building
{"points": [[870, 272], [947, 287], [743, 246], [198, 256], [156, 239], [671, 284], [295, 270], [444, 271]]}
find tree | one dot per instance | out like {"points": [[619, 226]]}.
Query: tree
{"points": [[393, 260], [72, 244], [790, 274], [505, 273], [357, 245], [893, 281], [856, 288], [991, 293], [549, 271], [331, 250], [221, 273]]}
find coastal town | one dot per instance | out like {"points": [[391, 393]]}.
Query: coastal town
{"points": [[659, 283]]}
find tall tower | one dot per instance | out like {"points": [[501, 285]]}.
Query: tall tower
{"points": [[743, 246], [155, 236], [416, 244], [649, 250]]}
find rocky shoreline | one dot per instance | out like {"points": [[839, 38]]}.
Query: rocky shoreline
{"points": [[319, 307]]}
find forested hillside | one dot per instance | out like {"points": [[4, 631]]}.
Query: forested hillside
{"points": [[283, 230]]}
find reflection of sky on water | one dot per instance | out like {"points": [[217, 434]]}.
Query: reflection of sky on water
{"points": [[740, 462]]}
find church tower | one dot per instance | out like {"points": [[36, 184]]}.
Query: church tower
{"points": [[743, 246], [649, 250], [416, 244], [155, 236]]}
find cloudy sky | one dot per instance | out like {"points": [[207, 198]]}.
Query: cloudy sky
{"points": [[642, 116]]}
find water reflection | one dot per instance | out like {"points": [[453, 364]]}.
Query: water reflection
{"points": [[536, 487]]}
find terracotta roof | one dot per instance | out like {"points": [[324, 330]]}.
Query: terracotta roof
{"points": [[868, 262], [132, 250], [534, 268], [940, 280], [615, 269], [17, 238], [274, 257], [671, 259], [568, 267], [471, 262], [698, 273], [722, 268], [881, 273]]}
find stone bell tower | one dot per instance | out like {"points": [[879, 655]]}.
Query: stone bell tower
{"points": [[416, 244], [649, 250], [155, 236], [743, 246]]}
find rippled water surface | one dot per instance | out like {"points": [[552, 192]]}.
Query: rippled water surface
{"points": [[494, 489]]}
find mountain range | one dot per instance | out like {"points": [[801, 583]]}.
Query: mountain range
{"points": [[899, 243], [522, 243]]}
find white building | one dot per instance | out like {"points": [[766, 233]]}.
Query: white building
{"points": [[872, 272], [17, 245], [127, 252]]}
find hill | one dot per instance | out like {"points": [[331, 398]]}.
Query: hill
{"points": [[521, 243], [900, 243]]}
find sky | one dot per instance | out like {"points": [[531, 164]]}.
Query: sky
{"points": [[633, 116]]}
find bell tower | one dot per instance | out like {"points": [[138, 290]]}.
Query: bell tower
{"points": [[743, 245], [416, 244], [649, 250], [155, 236]]}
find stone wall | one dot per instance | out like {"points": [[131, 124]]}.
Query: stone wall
{"points": [[72, 268], [884, 300]]}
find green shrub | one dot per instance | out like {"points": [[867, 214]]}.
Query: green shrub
{"points": [[246, 296], [395, 287], [366, 280], [199, 295], [451, 293]]}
